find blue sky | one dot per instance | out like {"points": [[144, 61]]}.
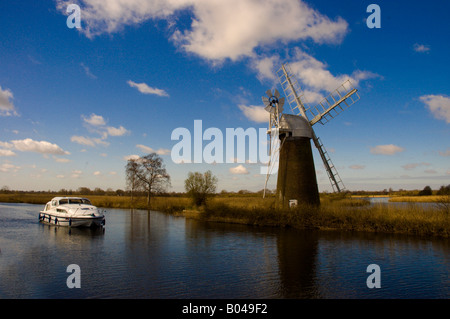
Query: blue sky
{"points": [[76, 103]]}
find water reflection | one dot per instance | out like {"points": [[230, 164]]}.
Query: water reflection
{"points": [[297, 262], [145, 254]]}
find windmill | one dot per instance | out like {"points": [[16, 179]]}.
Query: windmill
{"points": [[297, 179]]}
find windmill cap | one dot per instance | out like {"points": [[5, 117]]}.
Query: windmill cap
{"points": [[298, 126]]}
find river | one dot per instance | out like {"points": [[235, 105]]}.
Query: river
{"points": [[152, 255]]}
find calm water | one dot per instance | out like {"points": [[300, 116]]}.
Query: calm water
{"points": [[153, 255]]}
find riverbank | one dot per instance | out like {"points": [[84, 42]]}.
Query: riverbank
{"points": [[412, 220], [408, 199], [336, 212]]}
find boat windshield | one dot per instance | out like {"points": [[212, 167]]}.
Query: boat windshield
{"points": [[74, 201], [86, 201]]}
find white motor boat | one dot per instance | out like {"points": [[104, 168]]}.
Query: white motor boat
{"points": [[72, 212]]}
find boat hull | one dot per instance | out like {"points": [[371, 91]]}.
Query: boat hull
{"points": [[87, 221]]}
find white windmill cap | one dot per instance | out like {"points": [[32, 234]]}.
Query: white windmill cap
{"points": [[298, 126]]}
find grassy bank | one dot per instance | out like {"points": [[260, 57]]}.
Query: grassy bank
{"points": [[341, 214], [420, 199], [335, 212]]}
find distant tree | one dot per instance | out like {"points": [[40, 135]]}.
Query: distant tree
{"points": [[99, 191], [444, 190], [84, 191], [426, 191], [200, 186], [5, 190], [148, 173]]}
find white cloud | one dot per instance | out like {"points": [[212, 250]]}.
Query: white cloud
{"points": [[88, 141], [76, 174], [240, 169], [255, 113], [43, 147], [389, 149], [94, 120], [146, 149], [9, 168], [145, 89], [265, 67], [234, 28], [112, 131], [131, 157], [421, 48], [314, 74], [7, 153], [219, 29], [97, 173], [438, 105], [82, 140], [97, 124], [6, 145], [315, 79], [61, 160], [7, 108]]}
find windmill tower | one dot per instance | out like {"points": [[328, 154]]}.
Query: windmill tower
{"points": [[297, 181]]}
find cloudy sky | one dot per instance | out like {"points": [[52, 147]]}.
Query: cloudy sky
{"points": [[76, 103]]}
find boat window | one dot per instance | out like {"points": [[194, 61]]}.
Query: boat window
{"points": [[86, 201], [63, 201], [54, 203], [47, 207], [75, 201], [61, 211]]}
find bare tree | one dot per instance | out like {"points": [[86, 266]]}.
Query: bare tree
{"points": [[133, 183], [151, 175]]}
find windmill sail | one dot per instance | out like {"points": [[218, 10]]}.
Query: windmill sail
{"points": [[334, 104], [340, 99]]}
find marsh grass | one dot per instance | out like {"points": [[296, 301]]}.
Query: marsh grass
{"points": [[419, 199], [336, 212]]}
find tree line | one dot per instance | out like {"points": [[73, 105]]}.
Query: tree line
{"points": [[148, 174]]}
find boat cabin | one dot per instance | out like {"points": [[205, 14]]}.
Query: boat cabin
{"points": [[66, 200]]}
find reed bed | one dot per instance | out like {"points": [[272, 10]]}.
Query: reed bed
{"points": [[420, 199], [336, 212]]}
